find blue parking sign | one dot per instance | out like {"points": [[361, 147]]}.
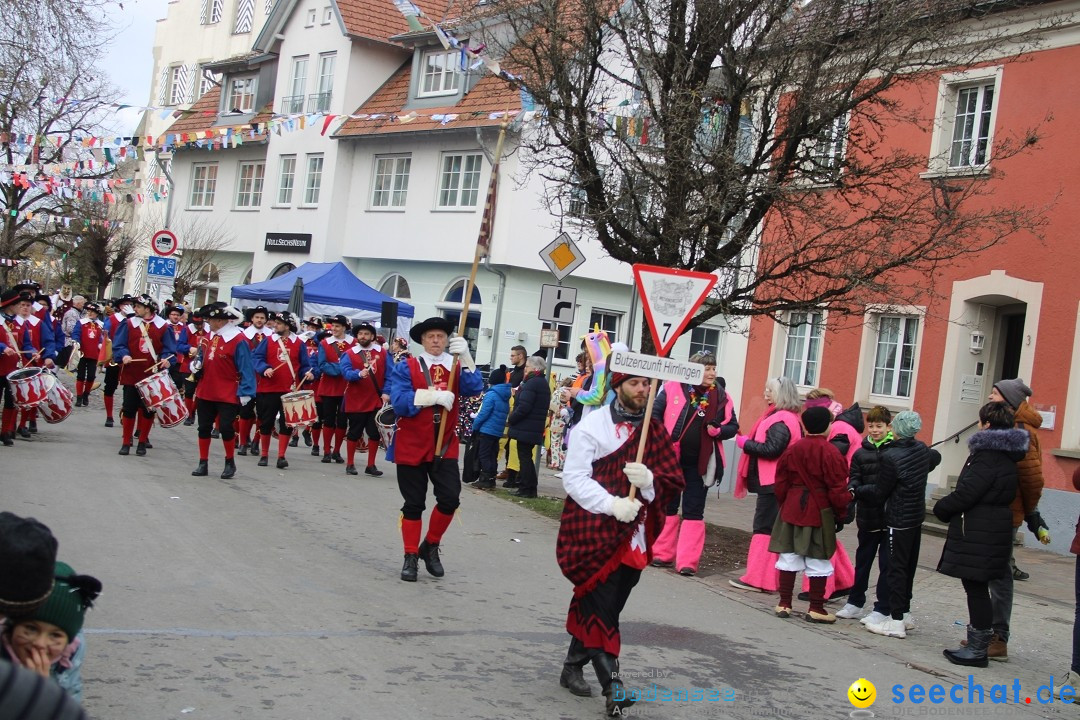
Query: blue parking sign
{"points": [[161, 268]]}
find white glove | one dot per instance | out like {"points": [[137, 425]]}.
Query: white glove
{"points": [[245, 399], [638, 475], [625, 510], [460, 346], [425, 398], [445, 398]]}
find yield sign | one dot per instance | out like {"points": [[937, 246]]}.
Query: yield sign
{"points": [[670, 298]]}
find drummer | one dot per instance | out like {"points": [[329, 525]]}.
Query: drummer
{"points": [[143, 346], [281, 365], [198, 336], [14, 348], [123, 311], [332, 387], [227, 383], [43, 343], [256, 333], [364, 367], [87, 337], [311, 337], [182, 345]]}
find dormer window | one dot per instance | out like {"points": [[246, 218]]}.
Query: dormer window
{"points": [[241, 95], [440, 73]]}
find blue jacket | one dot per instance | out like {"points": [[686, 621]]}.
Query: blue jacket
{"points": [[491, 420]]}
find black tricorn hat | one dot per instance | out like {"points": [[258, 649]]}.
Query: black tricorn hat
{"points": [[416, 332], [339, 320], [285, 317], [250, 312], [365, 326]]}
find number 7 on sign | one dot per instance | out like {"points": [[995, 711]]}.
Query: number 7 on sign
{"points": [[670, 297]]}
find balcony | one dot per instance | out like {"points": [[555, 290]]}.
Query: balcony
{"points": [[318, 103], [292, 105]]}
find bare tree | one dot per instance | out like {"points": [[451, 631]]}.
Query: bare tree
{"points": [[201, 241], [752, 138]]}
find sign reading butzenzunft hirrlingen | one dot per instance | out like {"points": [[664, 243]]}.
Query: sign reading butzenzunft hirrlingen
{"points": [[288, 242], [652, 366]]}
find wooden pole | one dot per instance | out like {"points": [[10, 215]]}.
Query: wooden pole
{"points": [[645, 428], [467, 297]]}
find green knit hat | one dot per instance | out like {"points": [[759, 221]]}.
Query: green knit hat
{"points": [[71, 596]]}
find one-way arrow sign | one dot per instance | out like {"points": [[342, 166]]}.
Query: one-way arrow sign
{"points": [[557, 304]]}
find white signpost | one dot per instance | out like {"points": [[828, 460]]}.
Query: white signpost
{"points": [[557, 304], [659, 368]]}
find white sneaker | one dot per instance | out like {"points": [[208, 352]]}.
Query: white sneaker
{"points": [[909, 622], [888, 627], [874, 617], [849, 612], [1069, 679]]}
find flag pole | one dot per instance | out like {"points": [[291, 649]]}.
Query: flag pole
{"points": [[482, 245]]}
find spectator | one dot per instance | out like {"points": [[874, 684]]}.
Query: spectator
{"points": [[526, 422]]}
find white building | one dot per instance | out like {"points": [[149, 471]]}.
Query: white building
{"points": [[400, 199]]}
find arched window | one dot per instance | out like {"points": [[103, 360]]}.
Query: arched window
{"points": [[208, 280], [281, 270], [396, 287], [247, 277], [457, 291], [451, 308]]}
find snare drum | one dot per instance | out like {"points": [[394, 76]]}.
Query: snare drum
{"points": [[157, 389], [57, 403], [30, 386], [299, 408], [386, 421], [172, 412]]}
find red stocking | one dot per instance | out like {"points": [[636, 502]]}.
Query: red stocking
{"points": [[410, 535], [437, 524], [204, 449], [372, 450], [350, 450], [282, 443], [128, 425]]}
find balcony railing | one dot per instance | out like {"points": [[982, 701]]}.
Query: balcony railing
{"points": [[318, 102], [292, 105]]}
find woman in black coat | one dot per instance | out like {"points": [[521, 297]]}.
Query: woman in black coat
{"points": [[979, 542], [528, 420]]}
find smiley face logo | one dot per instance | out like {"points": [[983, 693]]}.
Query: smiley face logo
{"points": [[862, 693]]}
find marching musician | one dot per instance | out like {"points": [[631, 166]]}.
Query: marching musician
{"points": [[423, 399], [198, 335], [181, 344], [332, 387], [142, 346], [364, 367], [113, 323], [42, 339], [281, 364], [227, 383], [14, 347], [256, 333], [311, 336], [87, 336]]}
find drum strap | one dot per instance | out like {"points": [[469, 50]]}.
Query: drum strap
{"points": [[427, 378], [149, 342], [371, 373], [14, 343], [288, 360]]}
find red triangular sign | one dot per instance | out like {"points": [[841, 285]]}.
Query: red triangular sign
{"points": [[670, 298]]}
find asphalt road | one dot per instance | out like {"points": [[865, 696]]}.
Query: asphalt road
{"points": [[276, 595]]}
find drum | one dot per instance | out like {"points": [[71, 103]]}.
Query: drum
{"points": [[386, 421], [57, 403], [299, 408], [30, 386], [157, 389], [172, 412]]}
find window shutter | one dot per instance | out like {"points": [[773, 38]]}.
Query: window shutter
{"points": [[188, 74], [269, 6], [244, 11], [151, 175], [163, 86], [202, 13]]}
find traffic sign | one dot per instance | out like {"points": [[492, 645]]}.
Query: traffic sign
{"points": [[562, 256], [670, 298], [661, 368], [557, 304], [160, 268], [164, 242]]}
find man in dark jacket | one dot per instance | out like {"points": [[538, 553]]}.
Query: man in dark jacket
{"points": [[527, 421], [901, 487]]}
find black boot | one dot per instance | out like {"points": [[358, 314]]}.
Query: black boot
{"points": [[7, 439], [373, 471], [351, 470], [307, 438], [190, 421], [202, 470], [264, 461], [511, 479], [241, 449], [316, 451], [140, 449], [974, 654], [295, 441], [430, 554], [124, 450], [607, 672], [410, 568], [486, 481], [337, 457], [572, 678], [230, 469], [282, 463]]}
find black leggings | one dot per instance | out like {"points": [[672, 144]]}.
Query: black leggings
{"points": [[86, 371], [224, 412], [359, 422], [112, 379], [269, 407], [980, 612], [133, 403], [331, 412]]}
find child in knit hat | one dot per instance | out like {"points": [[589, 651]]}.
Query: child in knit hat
{"points": [[44, 640]]}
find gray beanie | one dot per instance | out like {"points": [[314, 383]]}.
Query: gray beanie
{"points": [[906, 424], [1014, 391]]}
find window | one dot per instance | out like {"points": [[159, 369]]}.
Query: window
{"points": [[826, 151], [207, 281], [562, 352], [802, 352], [241, 97], [971, 126], [311, 15], [438, 74], [391, 182], [286, 179], [207, 80], [396, 287], [293, 103], [176, 84], [459, 182], [327, 15], [314, 179], [282, 269], [965, 117], [894, 356], [578, 204], [320, 101], [203, 185], [608, 322], [269, 9], [250, 185], [705, 340], [217, 11]]}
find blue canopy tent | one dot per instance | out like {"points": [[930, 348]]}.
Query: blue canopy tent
{"points": [[329, 289]]}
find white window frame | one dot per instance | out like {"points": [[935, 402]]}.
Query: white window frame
{"points": [[253, 80], [313, 178], [328, 15], [950, 86], [176, 85], [286, 171], [216, 11], [312, 15], [825, 154], [203, 189], [394, 194], [298, 79], [699, 344], [803, 347], [207, 81], [459, 187], [891, 385], [445, 78], [613, 335], [249, 190], [562, 352], [395, 290]]}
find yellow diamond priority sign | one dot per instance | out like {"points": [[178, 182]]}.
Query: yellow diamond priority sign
{"points": [[562, 256]]}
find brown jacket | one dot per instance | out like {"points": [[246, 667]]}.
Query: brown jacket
{"points": [[1029, 470]]}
